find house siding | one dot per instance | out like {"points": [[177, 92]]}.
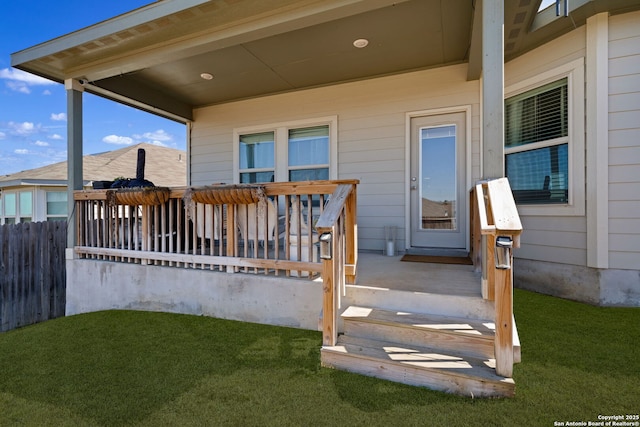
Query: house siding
{"points": [[624, 141], [554, 249], [371, 136], [560, 238]]}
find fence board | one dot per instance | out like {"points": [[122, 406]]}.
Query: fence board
{"points": [[32, 273]]}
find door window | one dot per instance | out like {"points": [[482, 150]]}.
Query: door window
{"points": [[438, 178]]}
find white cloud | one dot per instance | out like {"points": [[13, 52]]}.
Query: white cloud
{"points": [[56, 136], [24, 128], [21, 151], [18, 87], [118, 140], [46, 92], [159, 135], [161, 144], [3, 135], [42, 143], [20, 81], [60, 117]]}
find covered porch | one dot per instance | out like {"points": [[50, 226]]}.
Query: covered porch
{"points": [[289, 257]]}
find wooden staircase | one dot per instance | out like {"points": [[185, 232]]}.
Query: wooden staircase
{"points": [[454, 355], [454, 332]]}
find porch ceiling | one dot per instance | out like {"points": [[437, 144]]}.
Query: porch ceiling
{"points": [[408, 35], [153, 57]]}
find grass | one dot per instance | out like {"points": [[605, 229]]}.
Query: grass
{"points": [[154, 369]]}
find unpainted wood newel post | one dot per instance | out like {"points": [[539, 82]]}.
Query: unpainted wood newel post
{"points": [[504, 321], [329, 326]]}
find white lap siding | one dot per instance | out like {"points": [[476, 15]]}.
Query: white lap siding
{"points": [[554, 236], [371, 135], [624, 141]]}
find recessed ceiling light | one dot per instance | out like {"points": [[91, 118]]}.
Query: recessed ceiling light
{"points": [[206, 76], [360, 43]]}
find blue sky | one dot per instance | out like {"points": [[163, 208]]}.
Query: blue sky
{"points": [[546, 3], [33, 124]]}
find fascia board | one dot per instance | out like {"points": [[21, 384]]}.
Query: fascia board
{"points": [[123, 22]]}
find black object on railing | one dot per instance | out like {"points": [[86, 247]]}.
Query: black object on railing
{"points": [[139, 180]]}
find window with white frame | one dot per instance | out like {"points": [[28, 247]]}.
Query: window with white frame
{"points": [[257, 157], [9, 208], [56, 205], [552, 150], [537, 144], [308, 156], [17, 207], [298, 151]]}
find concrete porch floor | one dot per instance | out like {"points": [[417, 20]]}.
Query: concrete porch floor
{"points": [[385, 272]]}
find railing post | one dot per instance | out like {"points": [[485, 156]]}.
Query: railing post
{"points": [[504, 319], [329, 295], [336, 222], [351, 231], [498, 216]]}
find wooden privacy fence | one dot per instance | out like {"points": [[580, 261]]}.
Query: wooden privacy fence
{"points": [[32, 273]]}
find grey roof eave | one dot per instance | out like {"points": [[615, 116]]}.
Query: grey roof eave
{"points": [[136, 17], [32, 182]]}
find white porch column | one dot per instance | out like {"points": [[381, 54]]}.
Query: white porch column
{"points": [[74, 152], [598, 141], [492, 89]]}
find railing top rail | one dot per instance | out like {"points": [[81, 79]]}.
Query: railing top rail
{"points": [[271, 189], [502, 214], [334, 208]]}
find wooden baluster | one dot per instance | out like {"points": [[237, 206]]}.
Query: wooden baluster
{"points": [[351, 229]]}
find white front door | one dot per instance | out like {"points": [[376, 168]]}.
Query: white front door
{"points": [[438, 181]]}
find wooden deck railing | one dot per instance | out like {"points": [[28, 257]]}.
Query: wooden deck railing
{"points": [[495, 216], [274, 236], [339, 251]]}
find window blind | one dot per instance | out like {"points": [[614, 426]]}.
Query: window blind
{"points": [[538, 115]]}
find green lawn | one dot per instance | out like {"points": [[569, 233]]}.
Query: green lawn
{"points": [[154, 369]]}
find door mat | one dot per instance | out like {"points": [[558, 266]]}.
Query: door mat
{"points": [[437, 259]]}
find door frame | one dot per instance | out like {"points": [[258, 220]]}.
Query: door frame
{"points": [[466, 109]]}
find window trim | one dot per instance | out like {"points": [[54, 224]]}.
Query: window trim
{"points": [[46, 206], [281, 136], [575, 74], [17, 217]]}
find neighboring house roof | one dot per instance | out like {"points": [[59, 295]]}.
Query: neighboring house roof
{"points": [[164, 166], [154, 57], [434, 209]]}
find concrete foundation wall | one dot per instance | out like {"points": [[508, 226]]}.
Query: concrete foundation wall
{"points": [[102, 285], [605, 287]]}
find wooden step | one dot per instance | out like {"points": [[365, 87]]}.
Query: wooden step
{"points": [[454, 335], [418, 366], [441, 304]]}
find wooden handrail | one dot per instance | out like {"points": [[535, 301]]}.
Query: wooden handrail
{"points": [[271, 189], [166, 233], [497, 215], [217, 235], [338, 224]]}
